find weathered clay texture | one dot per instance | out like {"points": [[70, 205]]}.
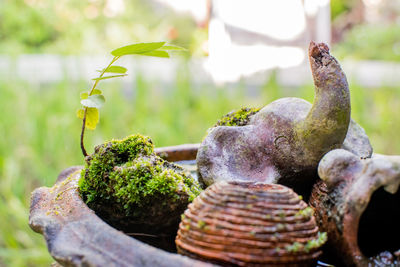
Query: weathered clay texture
{"points": [[245, 224], [75, 236], [285, 140], [357, 203]]}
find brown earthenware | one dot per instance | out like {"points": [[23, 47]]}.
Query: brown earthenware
{"points": [[357, 202], [76, 236], [246, 224]]}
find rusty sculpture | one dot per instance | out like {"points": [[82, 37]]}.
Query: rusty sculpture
{"points": [[357, 204]]}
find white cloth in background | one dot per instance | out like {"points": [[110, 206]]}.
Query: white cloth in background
{"points": [[248, 36]]}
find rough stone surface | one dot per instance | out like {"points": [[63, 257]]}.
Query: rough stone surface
{"points": [[347, 187], [75, 236], [285, 140], [357, 141]]}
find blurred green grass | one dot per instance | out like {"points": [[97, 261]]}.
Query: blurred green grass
{"points": [[370, 42], [40, 134]]}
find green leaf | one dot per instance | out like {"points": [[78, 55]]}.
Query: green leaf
{"points": [[92, 117], [114, 69], [136, 48], [172, 47], [97, 92], [156, 53], [84, 95], [93, 101], [80, 112], [108, 77]]}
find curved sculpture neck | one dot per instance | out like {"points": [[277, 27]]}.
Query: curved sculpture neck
{"points": [[325, 126]]}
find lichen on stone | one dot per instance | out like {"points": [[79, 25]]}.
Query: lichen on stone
{"points": [[239, 117], [127, 178]]}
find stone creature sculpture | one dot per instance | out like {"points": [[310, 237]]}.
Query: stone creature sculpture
{"points": [[285, 140]]}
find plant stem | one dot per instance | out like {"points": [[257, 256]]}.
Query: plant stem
{"points": [[83, 134], [84, 115]]}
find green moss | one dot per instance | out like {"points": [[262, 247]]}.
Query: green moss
{"points": [[295, 247], [306, 213], [201, 224], [240, 117], [282, 214], [127, 176], [316, 243], [310, 245]]}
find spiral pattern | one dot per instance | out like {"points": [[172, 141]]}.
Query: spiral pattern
{"points": [[247, 224]]}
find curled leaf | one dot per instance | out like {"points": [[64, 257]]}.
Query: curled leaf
{"points": [[170, 47], [97, 92], [84, 95], [108, 77], [92, 117], [136, 48], [156, 53], [115, 69], [93, 101], [80, 113]]}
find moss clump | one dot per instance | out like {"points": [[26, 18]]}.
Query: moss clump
{"points": [[309, 246], [316, 243], [306, 213], [124, 179], [239, 117], [95, 184], [295, 247]]}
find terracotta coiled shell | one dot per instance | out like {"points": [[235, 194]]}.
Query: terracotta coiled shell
{"points": [[245, 224]]}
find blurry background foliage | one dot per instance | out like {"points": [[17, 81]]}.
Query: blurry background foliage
{"points": [[82, 27], [40, 133], [359, 35], [373, 42], [339, 7]]}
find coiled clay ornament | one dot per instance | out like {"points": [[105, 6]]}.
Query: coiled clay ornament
{"points": [[246, 224]]}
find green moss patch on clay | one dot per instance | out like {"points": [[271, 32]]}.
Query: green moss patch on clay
{"points": [[130, 180], [239, 117], [313, 244]]}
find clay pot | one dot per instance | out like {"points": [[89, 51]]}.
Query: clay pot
{"points": [[76, 236], [284, 142], [246, 224], [357, 203]]}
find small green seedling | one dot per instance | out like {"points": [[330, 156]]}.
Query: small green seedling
{"points": [[94, 99]]}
